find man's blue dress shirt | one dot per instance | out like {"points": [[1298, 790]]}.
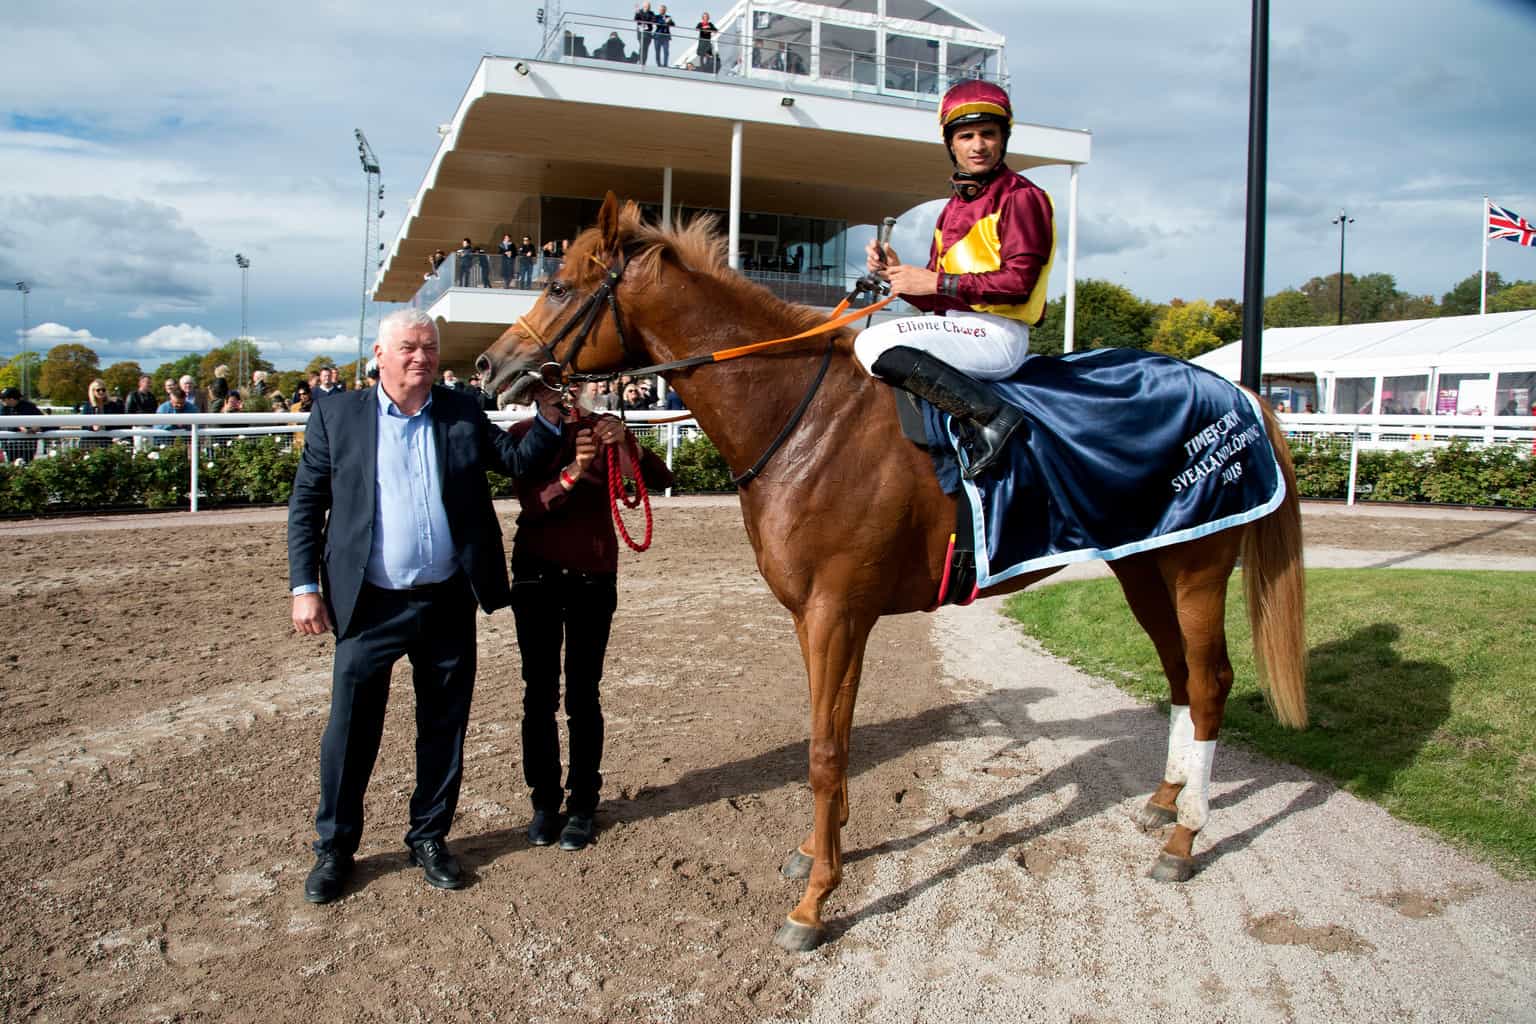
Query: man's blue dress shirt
{"points": [[412, 546]]}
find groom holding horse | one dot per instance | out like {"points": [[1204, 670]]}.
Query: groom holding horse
{"points": [[985, 279]]}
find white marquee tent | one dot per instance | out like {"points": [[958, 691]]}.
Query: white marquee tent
{"points": [[1450, 365]]}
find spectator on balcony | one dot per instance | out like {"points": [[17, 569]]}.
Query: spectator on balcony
{"points": [[663, 37], [527, 258], [258, 382], [303, 398], [218, 391], [508, 250], [706, 51], [188, 386], [142, 402], [327, 383], [613, 49], [233, 402], [464, 257], [550, 258], [435, 261], [645, 25]]}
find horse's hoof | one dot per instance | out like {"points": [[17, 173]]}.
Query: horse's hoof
{"points": [[797, 938], [797, 867], [1168, 868], [1151, 817]]}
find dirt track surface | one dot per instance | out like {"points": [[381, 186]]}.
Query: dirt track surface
{"points": [[160, 735]]}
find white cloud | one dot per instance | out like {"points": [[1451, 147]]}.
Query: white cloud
{"points": [[178, 338], [47, 335]]}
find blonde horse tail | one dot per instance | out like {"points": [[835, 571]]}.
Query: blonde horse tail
{"points": [[1276, 593]]}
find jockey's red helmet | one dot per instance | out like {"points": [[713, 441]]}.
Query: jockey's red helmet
{"points": [[974, 100]]}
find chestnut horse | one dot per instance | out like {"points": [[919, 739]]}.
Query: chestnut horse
{"points": [[849, 523]]}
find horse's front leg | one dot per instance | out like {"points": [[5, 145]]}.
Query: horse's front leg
{"points": [[833, 643]]}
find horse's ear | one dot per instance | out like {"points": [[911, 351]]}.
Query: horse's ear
{"points": [[608, 223]]}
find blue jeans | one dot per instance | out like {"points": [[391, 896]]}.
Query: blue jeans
{"points": [[663, 44]]}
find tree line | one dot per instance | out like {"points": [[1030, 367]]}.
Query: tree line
{"points": [[1108, 316], [1112, 316], [63, 374]]}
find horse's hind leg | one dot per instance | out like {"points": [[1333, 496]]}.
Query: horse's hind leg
{"points": [[1148, 595], [833, 641], [1200, 598]]}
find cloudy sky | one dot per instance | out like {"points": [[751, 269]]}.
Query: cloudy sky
{"points": [[143, 145]]}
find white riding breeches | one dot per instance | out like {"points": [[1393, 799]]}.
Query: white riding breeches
{"points": [[979, 345]]}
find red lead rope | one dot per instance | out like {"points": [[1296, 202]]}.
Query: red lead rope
{"points": [[616, 493]]}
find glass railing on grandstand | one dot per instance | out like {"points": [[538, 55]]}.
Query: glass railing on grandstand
{"points": [[773, 63], [483, 270], [812, 286]]}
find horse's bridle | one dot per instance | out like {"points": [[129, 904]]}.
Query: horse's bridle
{"points": [[584, 320]]}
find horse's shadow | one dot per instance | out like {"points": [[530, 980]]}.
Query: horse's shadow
{"points": [[782, 765]]}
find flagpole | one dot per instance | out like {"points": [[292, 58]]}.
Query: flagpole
{"points": [[1482, 299]]}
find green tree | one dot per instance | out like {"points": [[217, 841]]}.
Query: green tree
{"points": [[177, 368], [1289, 308], [67, 372], [1463, 299], [319, 363], [10, 373], [122, 377], [1188, 329], [1111, 316], [1234, 332], [1516, 296], [228, 354], [1045, 338]]}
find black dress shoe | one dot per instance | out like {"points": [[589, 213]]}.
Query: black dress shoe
{"points": [[544, 829], [328, 877], [578, 832], [440, 866]]}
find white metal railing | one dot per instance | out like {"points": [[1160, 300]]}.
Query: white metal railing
{"points": [[26, 438]]}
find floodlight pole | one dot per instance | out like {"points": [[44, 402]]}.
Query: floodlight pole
{"points": [[244, 264], [370, 229], [1343, 222], [26, 326]]}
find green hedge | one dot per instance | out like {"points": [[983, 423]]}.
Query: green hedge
{"points": [[249, 470], [1461, 473], [258, 470]]}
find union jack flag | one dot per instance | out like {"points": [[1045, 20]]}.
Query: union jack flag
{"points": [[1504, 223]]}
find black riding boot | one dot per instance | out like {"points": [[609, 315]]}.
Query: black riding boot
{"points": [[987, 421]]}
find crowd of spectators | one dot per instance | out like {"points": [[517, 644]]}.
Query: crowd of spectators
{"points": [[654, 30], [529, 264]]}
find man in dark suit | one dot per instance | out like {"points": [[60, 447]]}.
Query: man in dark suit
{"points": [[410, 546]]}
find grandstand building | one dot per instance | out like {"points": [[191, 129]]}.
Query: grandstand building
{"points": [[795, 122]]}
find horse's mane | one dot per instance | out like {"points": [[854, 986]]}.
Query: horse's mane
{"points": [[698, 245]]}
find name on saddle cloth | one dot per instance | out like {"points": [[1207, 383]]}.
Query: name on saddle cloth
{"points": [[1221, 459], [940, 324]]}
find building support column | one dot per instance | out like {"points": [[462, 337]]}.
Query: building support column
{"points": [[1067, 339], [733, 257], [666, 197]]}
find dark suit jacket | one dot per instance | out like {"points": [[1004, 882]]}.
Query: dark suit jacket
{"points": [[337, 474]]}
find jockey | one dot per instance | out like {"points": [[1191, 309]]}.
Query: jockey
{"points": [[985, 281]]}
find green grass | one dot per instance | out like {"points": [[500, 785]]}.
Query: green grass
{"points": [[1421, 685]]}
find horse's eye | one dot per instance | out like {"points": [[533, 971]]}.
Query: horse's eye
{"points": [[557, 290]]}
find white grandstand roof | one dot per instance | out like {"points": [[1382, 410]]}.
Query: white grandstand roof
{"points": [[1492, 342]]}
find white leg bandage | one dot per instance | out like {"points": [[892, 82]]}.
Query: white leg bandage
{"points": [[1194, 802], [1181, 733]]}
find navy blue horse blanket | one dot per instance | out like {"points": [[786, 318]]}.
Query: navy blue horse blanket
{"points": [[1123, 451]]}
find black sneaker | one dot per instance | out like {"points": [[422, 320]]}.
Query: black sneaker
{"points": [[328, 878], [578, 832]]}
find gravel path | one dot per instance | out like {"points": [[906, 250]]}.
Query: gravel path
{"points": [[1023, 897]]}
